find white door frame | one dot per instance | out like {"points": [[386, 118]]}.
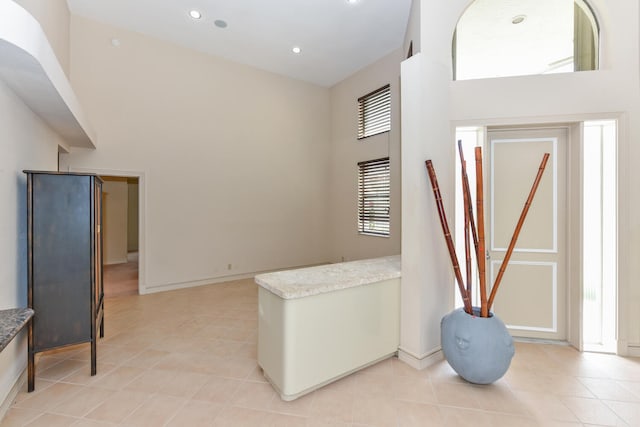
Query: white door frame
{"points": [[574, 201]]}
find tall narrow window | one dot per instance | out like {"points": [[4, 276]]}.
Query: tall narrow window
{"points": [[599, 235], [374, 188], [374, 112]]}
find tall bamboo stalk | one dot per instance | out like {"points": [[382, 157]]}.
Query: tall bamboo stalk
{"points": [[447, 236], [468, 221], [467, 245], [484, 310], [467, 191], [516, 232]]}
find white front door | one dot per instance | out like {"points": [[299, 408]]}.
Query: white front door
{"points": [[531, 299]]}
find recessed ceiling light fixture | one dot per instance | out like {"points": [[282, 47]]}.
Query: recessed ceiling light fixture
{"points": [[352, 1], [518, 19], [220, 23], [195, 14], [296, 49]]}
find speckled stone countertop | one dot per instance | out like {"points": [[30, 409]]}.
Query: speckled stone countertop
{"points": [[11, 321], [304, 282]]}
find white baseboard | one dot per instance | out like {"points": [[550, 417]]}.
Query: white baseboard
{"points": [[194, 283], [150, 289], [6, 403], [633, 350], [420, 361]]}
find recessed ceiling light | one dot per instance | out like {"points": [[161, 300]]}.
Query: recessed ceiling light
{"points": [[296, 49], [220, 23], [352, 1], [518, 19], [195, 14]]}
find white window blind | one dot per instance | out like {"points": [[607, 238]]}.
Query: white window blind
{"points": [[374, 188], [374, 112]]}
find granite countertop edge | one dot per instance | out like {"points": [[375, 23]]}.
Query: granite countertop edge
{"points": [[11, 322], [309, 281]]}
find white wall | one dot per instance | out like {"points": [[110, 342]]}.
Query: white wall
{"points": [[426, 270], [53, 16], [530, 99], [115, 202], [347, 151], [235, 160], [26, 143]]}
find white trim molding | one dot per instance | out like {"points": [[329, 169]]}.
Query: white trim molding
{"points": [[420, 362], [633, 350]]}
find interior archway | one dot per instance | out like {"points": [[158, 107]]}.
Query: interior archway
{"points": [[500, 38]]}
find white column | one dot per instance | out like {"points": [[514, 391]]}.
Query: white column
{"points": [[427, 274]]}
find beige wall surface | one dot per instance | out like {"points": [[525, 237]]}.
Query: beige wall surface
{"points": [[347, 151], [27, 143], [612, 90], [54, 18], [115, 202], [235, 160]]}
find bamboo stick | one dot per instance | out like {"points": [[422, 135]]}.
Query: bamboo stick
{"points": [[516, 232], [447, 237], [469, 222], [467, 245], [467, 190], [484, 311]]}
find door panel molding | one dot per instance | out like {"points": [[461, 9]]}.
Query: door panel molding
{"points": [[554, 169], [495, 266]]}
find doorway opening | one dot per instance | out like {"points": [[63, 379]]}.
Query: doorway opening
{"points": [[120, 213]]}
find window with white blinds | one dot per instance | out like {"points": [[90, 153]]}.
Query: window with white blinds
{"points": [[374, 112], [374, 189]]}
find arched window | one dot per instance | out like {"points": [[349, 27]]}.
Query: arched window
{"points": [[499, 38]]}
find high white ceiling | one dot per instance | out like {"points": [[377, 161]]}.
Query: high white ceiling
{"points": [[337, 38]]}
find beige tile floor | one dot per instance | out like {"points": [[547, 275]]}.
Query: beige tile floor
{"points": [[188, 358]]}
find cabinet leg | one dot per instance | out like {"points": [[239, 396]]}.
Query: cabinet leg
{"points": [[31, 365], [31, 372], [93, 357]]}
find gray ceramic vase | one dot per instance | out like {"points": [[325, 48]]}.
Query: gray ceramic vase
{"points": [[479, 349]]}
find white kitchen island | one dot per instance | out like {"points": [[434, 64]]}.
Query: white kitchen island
{"points": [[319, 324]]}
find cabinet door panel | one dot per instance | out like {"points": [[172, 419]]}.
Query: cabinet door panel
{"points": [[62, 244]]}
